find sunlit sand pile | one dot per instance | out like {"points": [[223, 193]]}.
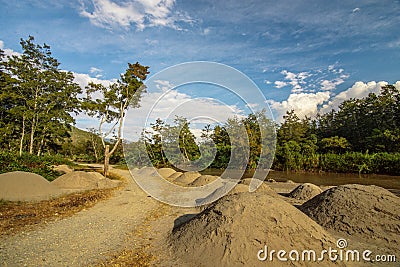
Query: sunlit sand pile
{"points": [[368, 212], [187, 178], [305, 192], [231, 231], [63, 168], [26, 186], [203, 180], [166, 172], [80, 180]]}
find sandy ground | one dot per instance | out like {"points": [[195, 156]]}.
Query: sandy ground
{"points": [[86, 238], [129, 220]]}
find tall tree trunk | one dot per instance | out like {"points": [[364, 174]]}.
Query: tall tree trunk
{"points": [[32, 135], [33, 123], [40, 146], [22, 136], [106, 160], [95, 149]]}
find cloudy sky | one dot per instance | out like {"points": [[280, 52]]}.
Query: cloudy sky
{"points": [[306, 55]]}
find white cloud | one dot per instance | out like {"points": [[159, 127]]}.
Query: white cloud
{"points": [[84, 79], [296, 80], [168, 104], [357, 9], [8, 52], [304, 104], [309, 104], [357, 91], [95, 70], [329, 85], [280, 84], [141, 13], [206, 31], [267, 82], [394, 44], [163, 85]]}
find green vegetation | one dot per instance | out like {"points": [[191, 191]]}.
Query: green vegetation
{"points": [[37, 100], [362, 136], [41, 165]]}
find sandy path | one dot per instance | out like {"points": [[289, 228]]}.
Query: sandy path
{"points": [[85, 238]]}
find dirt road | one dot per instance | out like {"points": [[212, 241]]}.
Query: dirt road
{"points": [[89, 236]]}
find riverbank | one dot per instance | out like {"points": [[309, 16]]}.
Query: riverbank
{"points": [[389, 182]]}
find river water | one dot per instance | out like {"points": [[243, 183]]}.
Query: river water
{"points": [[385, 181]]}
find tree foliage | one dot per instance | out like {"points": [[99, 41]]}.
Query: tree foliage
{"points": [[37, 99]]}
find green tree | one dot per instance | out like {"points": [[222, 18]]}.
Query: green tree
{"points": [[334, 144], [40, 98], [115, 101], [292, 129]]}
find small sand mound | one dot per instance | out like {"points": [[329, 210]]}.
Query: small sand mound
{"points": [[232, 230], [26, 186], [204, 180], [305, 192], [187, 178], [84, 181], [63, 168], [369, 212], [262, 188], [241, 187], [146, 171], [166, 172], [174, 176]]}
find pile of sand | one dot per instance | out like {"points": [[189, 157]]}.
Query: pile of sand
{"points": [[203, 180], [63, 168], [369, 212], [242, 187], [174, 176], [187, 178], [84, 181], [262, 188], [166, 172], [145, 171], [232, 230], [305, 192], [25, 186]]}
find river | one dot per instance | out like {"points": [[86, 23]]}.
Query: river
{"points": [[385, 181]]}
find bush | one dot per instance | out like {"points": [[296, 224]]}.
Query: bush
{"points": [[10, 162]]}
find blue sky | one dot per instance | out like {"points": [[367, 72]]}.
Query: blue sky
{"points": [[306, 55]]}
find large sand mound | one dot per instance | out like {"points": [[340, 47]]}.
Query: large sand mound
{"points": [[241, 187], [305, 192], [84, 181], [63, 168], [369, 212], [25, 186], [232, 231], [187, 178], [166, 172], [174, 176], [146, 171], [262, 188], [204, 180]]}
